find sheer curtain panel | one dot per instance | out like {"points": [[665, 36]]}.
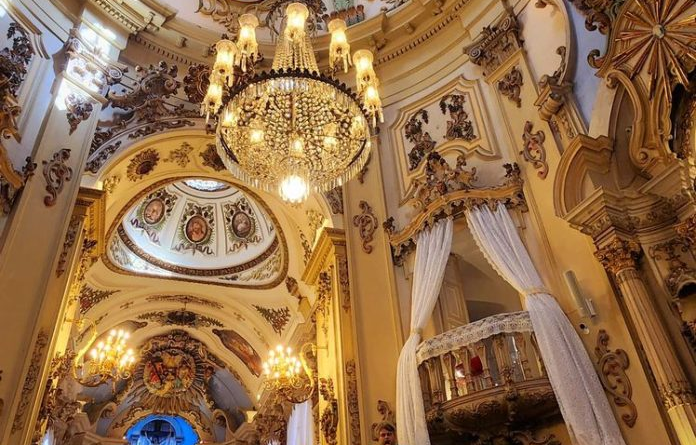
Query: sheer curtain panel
{"points": [[432, 251], [579, 393], [301, 425]]}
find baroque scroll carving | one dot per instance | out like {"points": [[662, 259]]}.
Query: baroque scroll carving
{"points": [[56, 173], [612, 366], [367, 224], [533, 149]]}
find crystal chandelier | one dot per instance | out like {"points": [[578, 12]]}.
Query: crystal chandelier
{"points": [[108, 360], [288, 375], [292, 129]]}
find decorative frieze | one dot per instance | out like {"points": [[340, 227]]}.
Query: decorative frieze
{"points": [[30, 380], [612, 373], [533, 149], [367, 224], [56, 173], [353, 402], [510, 85], [70, 237], [181, 317]]}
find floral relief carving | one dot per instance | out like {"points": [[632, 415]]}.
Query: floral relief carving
{"points": [[147, 98], [510, 86], [180, 156], [186, 299], [90, 297], [344, 281], [30, 380], [367, 223], [440, 179], [142, 164], [78, 109], [612, 366], [459, 126], [533, 149], [322, 304], [277, 318], [329, 417], [181, 317], [212, 159], [353, 402], [334, 198], [70, 237], [110, 183], [422, 142], [56, 173]]}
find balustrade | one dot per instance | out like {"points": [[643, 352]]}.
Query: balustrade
{"points": [[485, 374]]}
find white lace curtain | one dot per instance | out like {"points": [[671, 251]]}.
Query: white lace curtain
{"points": [[432, 251], [301, 425], [580, 396]]}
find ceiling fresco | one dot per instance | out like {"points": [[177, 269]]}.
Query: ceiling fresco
{"points": [[201, 230]]}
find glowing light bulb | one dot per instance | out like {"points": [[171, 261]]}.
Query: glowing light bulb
{"points": [[227, 53], [213, 98], [256, 136], [246, 41], [296, 14], [297, 146], [294, 189], [339, 49]]}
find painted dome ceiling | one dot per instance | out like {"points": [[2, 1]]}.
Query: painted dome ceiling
{"points": [[199, 230]]}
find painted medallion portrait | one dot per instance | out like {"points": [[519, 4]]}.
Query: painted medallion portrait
{"points": [[169, 372], [197, 229], [241, 348], [242, 225], [153, 211]]}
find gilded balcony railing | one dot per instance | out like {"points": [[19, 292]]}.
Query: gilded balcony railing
{"points": [[483, 376]]}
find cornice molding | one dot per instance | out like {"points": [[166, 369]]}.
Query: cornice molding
{"points": [[331, 242]]}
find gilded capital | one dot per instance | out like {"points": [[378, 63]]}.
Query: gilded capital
{"points": [[619, 255]]}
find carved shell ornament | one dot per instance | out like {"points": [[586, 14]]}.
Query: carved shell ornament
{"points": [[142, 164], [655, 36]]}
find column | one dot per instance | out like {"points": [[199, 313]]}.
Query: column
{"points": [[620, 258], [42, 233]]}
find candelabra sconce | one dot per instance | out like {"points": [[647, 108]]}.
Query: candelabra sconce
{"points": [[109, 360], [288, 375]]}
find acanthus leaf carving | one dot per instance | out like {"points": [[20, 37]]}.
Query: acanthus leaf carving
{"points": [[78, 109], [147, 98], [329, 417], [495, 44], [70, 237], [510, 86], [353, 402], [422, 142], [30, 380], [440, 179], [56, 173], [459, 126]]}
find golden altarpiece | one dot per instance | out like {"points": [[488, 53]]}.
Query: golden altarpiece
{"points": [[123, 232]]}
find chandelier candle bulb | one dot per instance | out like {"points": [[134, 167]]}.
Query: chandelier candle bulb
{"points": [[227, 53], [246, 41], [297, 14], [339, 49]]}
